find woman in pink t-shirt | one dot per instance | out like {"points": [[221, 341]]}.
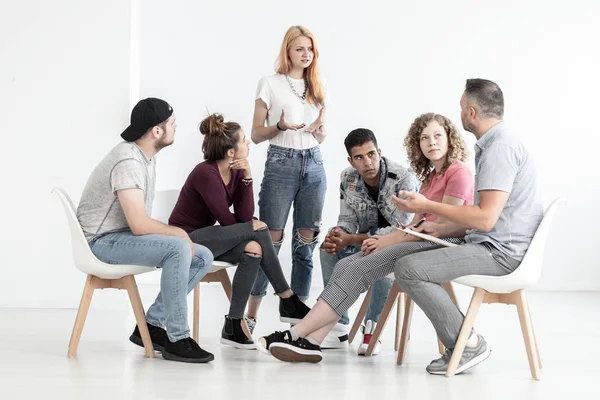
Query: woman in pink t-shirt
{"points": [[437, 153]]}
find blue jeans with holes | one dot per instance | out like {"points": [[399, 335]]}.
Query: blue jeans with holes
{"points": [[381, 287], [293, 177], [180, 272]]}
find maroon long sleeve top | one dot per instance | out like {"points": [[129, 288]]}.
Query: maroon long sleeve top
{"points": [[205, 199]]}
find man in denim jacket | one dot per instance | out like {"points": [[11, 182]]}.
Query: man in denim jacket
{"points": [[366, 209]]}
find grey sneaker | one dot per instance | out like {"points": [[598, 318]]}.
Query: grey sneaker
{"points": [[470, 358], [251, 323]]}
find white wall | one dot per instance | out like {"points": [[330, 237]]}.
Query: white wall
{"points": [[385, 63], [68, 69], [64, 98]]}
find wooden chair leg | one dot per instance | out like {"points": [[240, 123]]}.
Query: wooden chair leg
{"points": [[441, 347], [528, 336], [399, 318], [360, 316], [84, 305], [383, 317], [450, 289], [465, 331], [408, 311], [537, 349], [138, 310], [196, 315], [226, 282]]}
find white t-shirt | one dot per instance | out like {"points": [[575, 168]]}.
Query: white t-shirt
{"points": [[275, 91]]}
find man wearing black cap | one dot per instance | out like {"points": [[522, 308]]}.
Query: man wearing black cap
{"points": [[114, 213]]}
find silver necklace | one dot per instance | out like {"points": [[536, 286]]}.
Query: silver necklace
{"points": [[303, 97]]}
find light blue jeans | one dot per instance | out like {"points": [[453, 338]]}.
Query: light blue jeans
{"points": [[293, 177], [381, 287], [180, 272]]}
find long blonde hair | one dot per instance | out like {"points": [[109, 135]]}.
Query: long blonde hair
{"points": [[314, 94]]}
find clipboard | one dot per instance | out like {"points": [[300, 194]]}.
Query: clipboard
{"points": [[427, 237]]}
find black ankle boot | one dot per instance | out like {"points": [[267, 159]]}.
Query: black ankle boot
{"points": [[233, 334], [292, 309]]}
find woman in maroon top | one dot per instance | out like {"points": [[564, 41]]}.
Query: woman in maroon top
{"points": [[213, 186]]}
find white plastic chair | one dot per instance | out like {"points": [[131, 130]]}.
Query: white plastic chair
{"points": [[164, 202], [509, 289], [101, 276]]}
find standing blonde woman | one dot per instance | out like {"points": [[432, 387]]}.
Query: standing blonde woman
{"points": [[289, 112]]}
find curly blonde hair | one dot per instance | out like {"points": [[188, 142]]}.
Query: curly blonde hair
{"points": [[420, 164]]}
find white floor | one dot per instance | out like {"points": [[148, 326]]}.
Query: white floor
{"points": [[33, 362]]}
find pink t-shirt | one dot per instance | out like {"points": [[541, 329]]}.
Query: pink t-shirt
{"points": [[457, 182]]}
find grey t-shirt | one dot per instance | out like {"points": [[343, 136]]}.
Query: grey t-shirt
{"points": [[503, 163], [124, 167]]}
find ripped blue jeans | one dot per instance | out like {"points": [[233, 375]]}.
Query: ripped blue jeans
{"points": [[293, 177]]}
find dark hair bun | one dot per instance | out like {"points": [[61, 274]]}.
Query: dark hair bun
{"points": [[214, 124]]}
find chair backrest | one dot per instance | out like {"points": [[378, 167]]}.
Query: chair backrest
{"points": [[530, 270], [164, 202], [83, 257]]}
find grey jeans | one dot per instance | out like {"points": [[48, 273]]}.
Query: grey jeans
{"points": [[227, 243], [421, 274]]}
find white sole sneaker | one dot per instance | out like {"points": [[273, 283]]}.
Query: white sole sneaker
{"points": [[288, 353], [340, 328], [468, 365], [335, 340], [291, 321], [238, 345], [362, 349], [261, 346], [477, 360]]}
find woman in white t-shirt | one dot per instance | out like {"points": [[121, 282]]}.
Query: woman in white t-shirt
{"points": [[289, 112]]}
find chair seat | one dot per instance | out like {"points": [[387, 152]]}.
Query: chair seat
{"points": [[219, 265], [496, 284], [114, 271]]}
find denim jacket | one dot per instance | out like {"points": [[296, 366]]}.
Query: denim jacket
{"points": [[358, 211]]}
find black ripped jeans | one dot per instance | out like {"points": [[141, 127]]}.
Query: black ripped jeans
{"points": [[227, 243]]}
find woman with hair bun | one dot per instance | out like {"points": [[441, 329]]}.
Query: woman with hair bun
{"points": [[222, 180]]}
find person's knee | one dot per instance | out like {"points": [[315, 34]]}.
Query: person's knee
{"points": [[177, 247], [253, 249], [276, 236], [258, 225], [204, 253], [404, 269], [307, 237]]}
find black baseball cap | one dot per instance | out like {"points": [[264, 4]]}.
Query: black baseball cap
{"points": [[146, 114]]}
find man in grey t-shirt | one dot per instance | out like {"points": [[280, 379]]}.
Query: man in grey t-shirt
{"points": [[498, 227], [114, 213]]}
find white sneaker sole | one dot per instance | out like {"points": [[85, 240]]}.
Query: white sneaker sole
{"points": [[289, 353], [333, 342], [261, 346], [462, 368], [362, 349], [238, 345], [291, 321]]}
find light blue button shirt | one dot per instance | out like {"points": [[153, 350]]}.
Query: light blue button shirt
{"points": [[503, 163]]}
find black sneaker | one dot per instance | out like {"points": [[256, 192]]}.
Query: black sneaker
{"points": [[233, 334], [186, 350], [292, 310], [264, 343], [300, 350], [157, 335]]}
